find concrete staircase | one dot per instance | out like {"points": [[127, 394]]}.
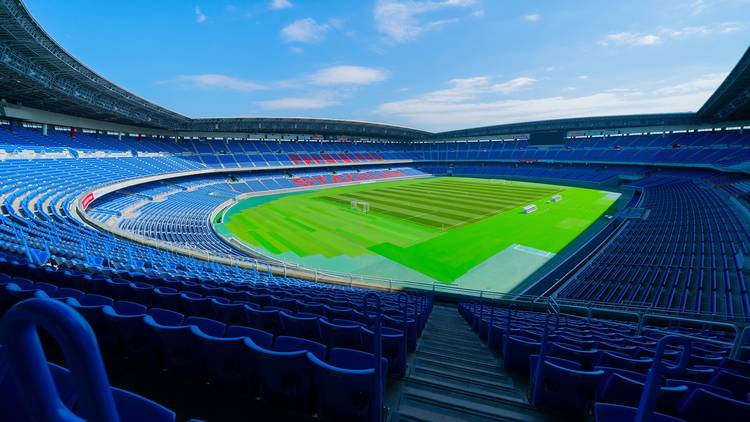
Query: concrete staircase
{"points": [[454, 377]]}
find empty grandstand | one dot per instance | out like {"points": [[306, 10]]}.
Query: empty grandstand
{"points": [[157, 267]]}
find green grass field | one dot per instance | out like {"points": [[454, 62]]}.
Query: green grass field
{"points": [[451, 230]]}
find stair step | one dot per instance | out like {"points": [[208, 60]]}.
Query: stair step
{"points": [[462, 371], [421, 405], [459, 381], [464, 364], [474, 347], [457, 353], [446, 386], [481, 361], [455, 377]]}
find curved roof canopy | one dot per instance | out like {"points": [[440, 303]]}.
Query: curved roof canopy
{"points": [[36, 72]]}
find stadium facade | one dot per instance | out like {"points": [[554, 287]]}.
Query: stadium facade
{"points": [[108, 202]]}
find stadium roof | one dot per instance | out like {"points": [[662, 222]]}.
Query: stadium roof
{"points": [[37, 72], [731, 101]]}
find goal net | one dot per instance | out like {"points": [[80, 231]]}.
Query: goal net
{"points": [[361, 206]]}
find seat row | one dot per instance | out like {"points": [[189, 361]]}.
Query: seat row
{"points": [[587, 362]]}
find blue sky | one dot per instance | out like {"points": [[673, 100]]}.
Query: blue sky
{"points": [[430, 64]]}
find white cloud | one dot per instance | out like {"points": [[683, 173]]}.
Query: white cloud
{"points": [[347, 75], [707, 82], [631, 39], [728, 27], [304, 31], [213, 80], [698, 6], [582, 77], [661, 35], [473, 102], [402, 21], [199, 16], [513, 85], [535, 17], [299, 103], [279, 4]]}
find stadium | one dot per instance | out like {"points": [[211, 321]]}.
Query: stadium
{"points": [[158, 267]]}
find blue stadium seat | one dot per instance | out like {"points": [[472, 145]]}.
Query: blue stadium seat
{"points": [[344, 384], [283, 377], [704, 405], [342, 336], [297, 326]]}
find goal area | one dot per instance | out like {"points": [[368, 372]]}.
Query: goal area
{"points": [[361, 206]]}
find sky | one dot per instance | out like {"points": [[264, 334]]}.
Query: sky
{"points": [[429, 64]]}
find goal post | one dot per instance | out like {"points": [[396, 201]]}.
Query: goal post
{"points": [[361, 206]]}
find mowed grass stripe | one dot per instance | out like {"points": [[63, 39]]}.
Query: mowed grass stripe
{"points": [[438, 202], [474, 209], [467, 195], [479, 194], [493, 187], [436, 209], [522, 193], [324, 218], [280, 223], [275, 222], [479, 201], [408, 213]]}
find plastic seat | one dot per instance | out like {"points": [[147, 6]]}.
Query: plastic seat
{"points": [[412, 331], [166, 317], [176, 346], [259, 337], [95, 300], [737, 384], [516, 352], [585, 357], [615, 360], [10, 398], [89, 396], [344, 384], [230, 313], [303, 327], [333, 312], [135, 408], [91, 306], [197, 306], [333, 335], [266, 320], [167, 298], [296, 344], [283, 377], [289, 304], [67, 292], [11, 294], [393, 348], [619, 413], [566, 390], [703, 405], [672, 407], [124, 307], [223, 361], [313, 308], [620, 389], [260, 299], [50, 289], [207, 326]]}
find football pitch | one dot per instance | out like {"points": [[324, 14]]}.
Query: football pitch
{"points": [[467, 232]]}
